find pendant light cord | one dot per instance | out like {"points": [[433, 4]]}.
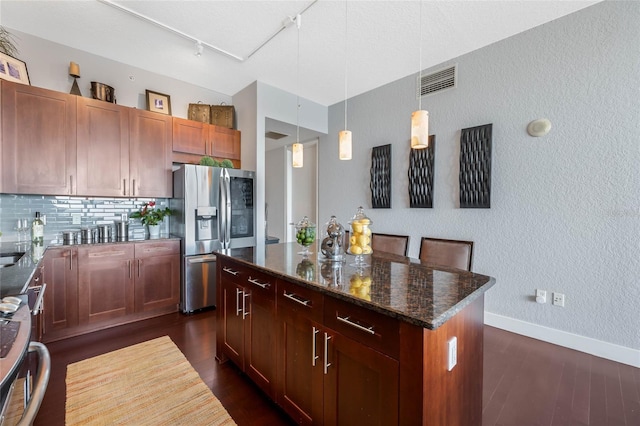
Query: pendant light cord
{"points": [[420, 62], [298, 23], [345, 64]]}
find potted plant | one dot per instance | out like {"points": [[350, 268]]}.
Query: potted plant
{"points": [[151, 217]]}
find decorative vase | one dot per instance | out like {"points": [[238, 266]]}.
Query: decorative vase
{"points": [[154, 231]]}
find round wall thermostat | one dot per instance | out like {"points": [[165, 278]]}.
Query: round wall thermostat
{"points": [[539, 127]]}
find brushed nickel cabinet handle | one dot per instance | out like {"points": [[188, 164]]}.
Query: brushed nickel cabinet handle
{"points": [[296, 298], [314, 357], [71, 260], [244, 305], [238, 308], [258, 283], [139, 267], [230, 271], [129, 262], [327, 364], [133, 187], [355, 325], [70, 184]]}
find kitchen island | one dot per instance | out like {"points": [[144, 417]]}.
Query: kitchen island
{"points": [[395, 342]]}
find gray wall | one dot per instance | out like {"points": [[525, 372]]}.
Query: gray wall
{"points": [[565, 213]]}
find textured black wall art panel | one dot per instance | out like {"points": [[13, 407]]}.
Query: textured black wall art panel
{"points": [[475, 167], [421, 163], [381, 177]]}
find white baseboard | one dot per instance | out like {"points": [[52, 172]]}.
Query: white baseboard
{"points": [[588, 345]]}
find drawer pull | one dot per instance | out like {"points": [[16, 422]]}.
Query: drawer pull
{"points": [[356, 325], [296, 298], [258, 283], [244, 305], [230, 271]]}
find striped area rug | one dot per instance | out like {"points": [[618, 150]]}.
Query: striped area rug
{"points": [[151, 383]]}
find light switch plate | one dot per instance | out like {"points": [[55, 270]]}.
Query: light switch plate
{"points": [[76, 218], [452, 351]]}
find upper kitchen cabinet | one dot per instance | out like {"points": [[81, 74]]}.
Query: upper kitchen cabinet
{"points": [[194, 139], [38, 140], [103, 149], [150, 138]]}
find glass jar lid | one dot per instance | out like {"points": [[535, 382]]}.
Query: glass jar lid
{"points": [[305, 223], [360, 217], [334, 228]]}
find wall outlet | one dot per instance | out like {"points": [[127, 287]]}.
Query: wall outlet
{"points": [[558, 299], [76, 218], [452, 356], [541, 296]]}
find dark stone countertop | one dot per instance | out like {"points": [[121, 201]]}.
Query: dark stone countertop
{"points": [[400, 287], [15, 279]]}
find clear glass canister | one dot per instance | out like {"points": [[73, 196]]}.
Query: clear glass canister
{"points": [[360, 237], [305, 234]]}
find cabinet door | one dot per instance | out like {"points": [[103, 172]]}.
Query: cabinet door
{"points": [[299, 370], [103, 149], [232, 317], [61, 296], [150, 154], [361, 384], [225, 143], [38, 140], [189, 137], [106, 282], [157, 276], [260, 339]]}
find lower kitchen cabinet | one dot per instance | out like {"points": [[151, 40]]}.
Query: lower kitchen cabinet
{"points": [[91, 287], [157, 278], [61, 297], [106, 280], [325, 377], [248, 318]]}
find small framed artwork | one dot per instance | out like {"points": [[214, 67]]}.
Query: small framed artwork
{"points": [[13, 69], [158, 102]]}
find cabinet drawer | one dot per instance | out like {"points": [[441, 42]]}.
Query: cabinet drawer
{"points": [[156, 248], [105, 253], [259, 283], [300, 300], [370, 328]]}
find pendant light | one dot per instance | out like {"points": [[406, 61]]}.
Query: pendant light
{"points": [[420, 118], [297, 149], [344, 137]]}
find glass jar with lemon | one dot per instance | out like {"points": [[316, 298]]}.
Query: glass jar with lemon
{"points": [[360, 237]]}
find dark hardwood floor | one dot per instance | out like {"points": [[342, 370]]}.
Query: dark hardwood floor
{"points": [[526, 381]]}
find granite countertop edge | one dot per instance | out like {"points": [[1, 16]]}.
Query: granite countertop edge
{"points": [[433, 324]]}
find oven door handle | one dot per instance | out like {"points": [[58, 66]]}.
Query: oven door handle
{"points": [[41, 382]]}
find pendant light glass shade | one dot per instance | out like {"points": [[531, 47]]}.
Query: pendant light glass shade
{"points": [[345, 145], [297, 149], [420, 129]]}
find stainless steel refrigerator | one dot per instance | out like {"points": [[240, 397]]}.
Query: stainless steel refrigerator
{"points": [[213, 208]]}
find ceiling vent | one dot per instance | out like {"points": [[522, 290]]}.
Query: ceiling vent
{"points": [[274, 135], [438, 81]]}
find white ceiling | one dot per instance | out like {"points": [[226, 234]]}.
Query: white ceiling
{"points": [[381, 37]]}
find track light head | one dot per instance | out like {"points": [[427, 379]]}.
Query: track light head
{"points": [[199, 49]]}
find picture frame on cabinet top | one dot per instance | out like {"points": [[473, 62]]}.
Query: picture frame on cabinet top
{"points": [[13, 69], [158, 102]]}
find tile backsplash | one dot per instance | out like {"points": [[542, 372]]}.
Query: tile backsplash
{"points": [[59, 212]]}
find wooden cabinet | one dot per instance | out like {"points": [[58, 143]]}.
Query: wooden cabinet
{"points": [[106, 279], [103, 148], [248, 322], [325, 377], [192, 140], [150, 160], [54, 143], [157, 279], [91, 287], [360, 382], [300, 384], [38, 140], [61, 296]]}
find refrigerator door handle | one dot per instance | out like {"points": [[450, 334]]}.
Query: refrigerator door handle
{"points": [[222, 210], [226, 204]]}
